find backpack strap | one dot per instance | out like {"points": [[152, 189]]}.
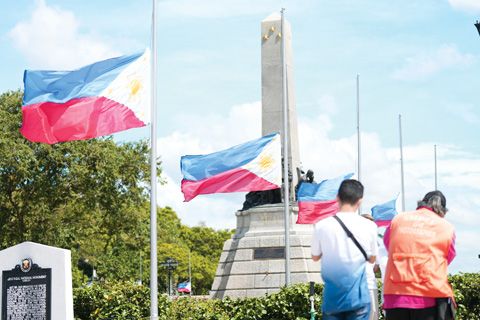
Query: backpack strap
{"points": [[351, 236]]}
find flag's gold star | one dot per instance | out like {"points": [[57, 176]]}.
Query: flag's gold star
{"points": [[266, 162], [135, 86]]}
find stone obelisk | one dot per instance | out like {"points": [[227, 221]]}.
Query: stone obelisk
{"points": [[272, 91], [253, 260]]}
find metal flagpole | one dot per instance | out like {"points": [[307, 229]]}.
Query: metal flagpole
{"points": [[435, 158], [401, 161], [359, 149], [153, 174], [286, 180], [190, 270]]}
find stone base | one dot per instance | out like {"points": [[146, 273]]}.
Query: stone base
{"points": [[240, 274]]}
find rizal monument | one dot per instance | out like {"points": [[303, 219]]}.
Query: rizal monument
{"points": [[253, 260]]}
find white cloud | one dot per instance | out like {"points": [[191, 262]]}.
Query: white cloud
{"points": [[427, 64], [466, 5], [328, 157], [51, 38], [200, 134], [224, 9], [328, 104]]}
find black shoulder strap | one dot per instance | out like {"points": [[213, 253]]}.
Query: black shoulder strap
{"points": [[351, 236]]}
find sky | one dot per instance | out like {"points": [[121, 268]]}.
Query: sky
{"points": [[416, 58]]}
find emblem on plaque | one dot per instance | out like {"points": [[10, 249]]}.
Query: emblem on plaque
{"points": [[26, 265]]}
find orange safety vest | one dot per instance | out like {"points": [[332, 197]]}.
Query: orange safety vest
{"points": [[417, 255]]}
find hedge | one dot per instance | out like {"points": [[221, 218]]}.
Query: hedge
{"points": [[118, 301]]}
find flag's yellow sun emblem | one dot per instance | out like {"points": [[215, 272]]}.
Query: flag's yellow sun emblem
{"points": [[135, 86], [266, 161]]}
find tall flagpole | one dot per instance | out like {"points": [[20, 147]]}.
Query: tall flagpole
{"points": [[435, 158], [286, 179], [190, 269], [153, 174], [401, 161], [359, 149]]}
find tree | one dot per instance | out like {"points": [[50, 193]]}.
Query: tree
{"points": [[89, 196], [205, 246], [92, 197]]}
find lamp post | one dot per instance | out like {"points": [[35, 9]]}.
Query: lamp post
{"points": [[170, 264], [477, 25]]}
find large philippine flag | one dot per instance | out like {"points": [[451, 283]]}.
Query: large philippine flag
{"points": [[317, 201], [252, 166], [96, 100], [384, 213]]}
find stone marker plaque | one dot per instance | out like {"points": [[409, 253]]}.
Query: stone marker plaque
{"points": [[269, 253], [26, 292]]}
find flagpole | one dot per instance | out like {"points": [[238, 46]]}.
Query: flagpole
{"points": [[401, 161], [359, 149], [286, 180], [190, 270], [153, 175], [435, 159]]}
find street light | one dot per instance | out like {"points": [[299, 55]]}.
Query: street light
{"points": [[477, 24], [170, 264]]}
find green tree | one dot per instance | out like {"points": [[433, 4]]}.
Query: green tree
{"points": [[88, 196], [91, 197], [205, 245]]}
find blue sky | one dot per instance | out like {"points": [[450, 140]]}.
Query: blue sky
{"points": [[417, 58]]}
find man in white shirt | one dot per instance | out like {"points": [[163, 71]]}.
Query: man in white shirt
{"points": [[345, 293]]}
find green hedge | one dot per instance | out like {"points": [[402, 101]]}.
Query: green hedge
{"points": [[129, 301], [466, 287]]}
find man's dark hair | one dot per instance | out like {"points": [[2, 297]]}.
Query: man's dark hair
{"points": [[350, 191]]}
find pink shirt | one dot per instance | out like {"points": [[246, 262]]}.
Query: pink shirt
{"points": [[392, 301]]}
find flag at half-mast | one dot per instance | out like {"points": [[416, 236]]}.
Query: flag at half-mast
{"points": [[251, 166], [96, 100], [384, 213], [317, 201]]}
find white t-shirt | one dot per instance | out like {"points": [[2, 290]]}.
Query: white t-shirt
{"points": [[343, 264], [371, 280], [331, 241]]}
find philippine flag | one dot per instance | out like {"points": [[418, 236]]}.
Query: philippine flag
{"points": [[252, 166], [384, 213], [317, 201], [96, 100], [185, 287]]}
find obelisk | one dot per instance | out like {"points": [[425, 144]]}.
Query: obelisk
{"points": [[253, 260], [272, 92]]}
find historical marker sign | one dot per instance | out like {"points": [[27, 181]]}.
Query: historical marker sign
{"points": [[269, 253], [26, 292]]}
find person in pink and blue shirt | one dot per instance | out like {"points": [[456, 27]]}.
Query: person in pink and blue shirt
{"points": [[425, 245]]}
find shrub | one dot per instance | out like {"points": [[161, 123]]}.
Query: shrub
{"points": [[125, 301], [466, 287]]}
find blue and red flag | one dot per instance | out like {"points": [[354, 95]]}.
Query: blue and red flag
{"points": [[185, 287], [96, 100], [252, 166], [317, 201], [384, 213]]}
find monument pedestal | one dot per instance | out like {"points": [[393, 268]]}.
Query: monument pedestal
{"points": [[253, 260]]}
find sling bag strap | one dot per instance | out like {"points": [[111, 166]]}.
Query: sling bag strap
{"points": [[351, 236]]}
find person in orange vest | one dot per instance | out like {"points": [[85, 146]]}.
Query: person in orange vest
{"points": [[420, 246]]}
